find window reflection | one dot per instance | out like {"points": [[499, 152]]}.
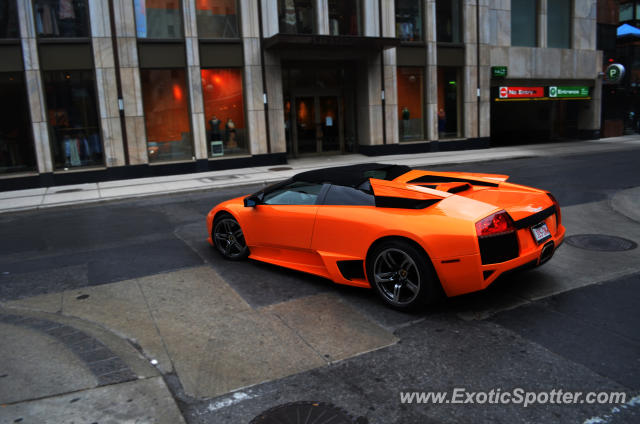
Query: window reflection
{"points": [[295, 16], [158, 18], [410, 101], [166, 112], [409, 20], [448, 21], [73, 118], [16, 143], [344, 17], [224, 111], [448, 107], [9, 19], [61, 18], [559, 24], [523, 23], [217, 18]]}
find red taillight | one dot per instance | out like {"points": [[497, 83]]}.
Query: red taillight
{"points": [[496, 224], [557, 205]]}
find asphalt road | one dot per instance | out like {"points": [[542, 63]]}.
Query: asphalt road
{"points": [[582, 340]]}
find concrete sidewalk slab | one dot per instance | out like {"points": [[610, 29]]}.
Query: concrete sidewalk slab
{"points": [[36, 365], [627, 202], [111, 190], [142, 401]]}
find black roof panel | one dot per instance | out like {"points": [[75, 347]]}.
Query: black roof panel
{"points": [[352, 175]]}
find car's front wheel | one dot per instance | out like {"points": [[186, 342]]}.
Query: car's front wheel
{"points": [[228, 238], [402, 275]]}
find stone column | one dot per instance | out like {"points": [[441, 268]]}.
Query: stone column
{"points": [[470, 72], [253, 88], [390, 70], [584, 25], [321, 10], [108, 108], [542, 23], [484, 62], [371, 17], [125, 29], [431, 82], [35, 91], [369, 102], [194, 80]]}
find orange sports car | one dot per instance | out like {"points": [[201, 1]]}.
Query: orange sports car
{"points": [[411, 235]]}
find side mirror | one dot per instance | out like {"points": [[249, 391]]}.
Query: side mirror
{"points": [[251, 201]]}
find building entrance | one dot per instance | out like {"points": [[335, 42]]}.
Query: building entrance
{"points": [[319, 109], [317, 124]]}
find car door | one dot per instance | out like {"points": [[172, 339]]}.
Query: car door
{"points": [[285, 217]]}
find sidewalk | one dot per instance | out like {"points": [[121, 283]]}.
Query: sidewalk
{"points": [[40, 198]]}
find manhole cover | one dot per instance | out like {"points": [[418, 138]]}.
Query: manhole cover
{"points": [[601, 243], [303, 413], [68, 190], [281, 168]]}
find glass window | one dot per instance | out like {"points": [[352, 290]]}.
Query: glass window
{"points": [[9, 20], [409, 20], [524, 16], [626, 12], [295, 193], [344, 17], [559, 24], [342, 195], [16, 143], [410, 101], [73, 118], [448, 105], [295, 16], [158, 18], [224, 111], [448, 21], [61, 18], [217, 18], [166, 114]]}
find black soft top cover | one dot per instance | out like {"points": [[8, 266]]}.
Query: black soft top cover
{"points": [[352, 175]]}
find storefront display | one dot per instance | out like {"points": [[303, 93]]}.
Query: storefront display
{"points": [[61, 18], [16, 142], [217, 18], [73, 119], [166, 111], [295, 16], [409, 20], [410, 103], [222, 95], [158, 19]]}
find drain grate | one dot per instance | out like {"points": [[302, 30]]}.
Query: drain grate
{"points": [[281, 168], [68, 190], [304, 413], [601, 242]]}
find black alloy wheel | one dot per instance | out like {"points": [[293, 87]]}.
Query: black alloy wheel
{"points": [[402, 275], [228, 238]]}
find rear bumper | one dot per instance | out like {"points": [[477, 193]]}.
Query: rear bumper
{"points": [[468, 274]]}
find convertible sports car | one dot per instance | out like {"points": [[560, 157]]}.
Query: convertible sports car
{"points": [[411, 235]]}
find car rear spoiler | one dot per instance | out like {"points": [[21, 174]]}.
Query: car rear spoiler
{"points": [[392, 194]]}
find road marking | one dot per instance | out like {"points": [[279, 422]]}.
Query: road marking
{"points": [[634, 401]]}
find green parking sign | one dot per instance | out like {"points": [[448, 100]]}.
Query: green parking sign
{"points": [[614, 73]]}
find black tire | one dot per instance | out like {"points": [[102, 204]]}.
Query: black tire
{"points": [[402, 275], [228, 238]]}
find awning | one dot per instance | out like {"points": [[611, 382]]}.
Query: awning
{"points": [[326, 42], [627, 29]]}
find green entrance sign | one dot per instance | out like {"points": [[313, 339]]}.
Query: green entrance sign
{"points": [[499, 71], [568, 92]]}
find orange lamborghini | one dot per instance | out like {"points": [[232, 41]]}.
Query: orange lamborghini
{"points": [[411, 235]]}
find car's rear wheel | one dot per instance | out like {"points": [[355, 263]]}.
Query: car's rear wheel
{"points": [[228, 238], [402, 275]]}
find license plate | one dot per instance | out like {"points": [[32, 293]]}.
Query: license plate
{"points": [[540, 232]]}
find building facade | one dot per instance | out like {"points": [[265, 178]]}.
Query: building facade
{"points": [[97, 90]]}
